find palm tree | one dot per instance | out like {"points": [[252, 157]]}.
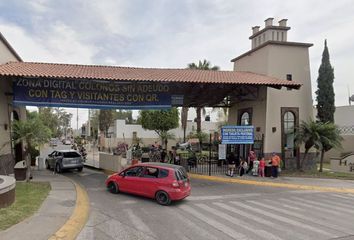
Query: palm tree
{"points": [[329, 138], [202, 65], [165, 136], [34, 133], [307, 134], [184, 119]]}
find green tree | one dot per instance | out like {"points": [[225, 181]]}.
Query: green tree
{"points": [[124, 115], [202, 65], [33, 132], [325, 92], [307, 134], [106, 118], [165, 136], [329, 138], [49, 119], [160, 121]]}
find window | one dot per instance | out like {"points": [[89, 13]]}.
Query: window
{"points": [[245, 119], [289, 131], [150, 172], [263, 37], [277, 36], [134, 171], [71, 155], [272, 35], [282, 36], [163, 173], [289, 77], [181, 174]]}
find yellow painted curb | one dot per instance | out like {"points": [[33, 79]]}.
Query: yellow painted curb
{"points": [[273, 184], [71, 229]]}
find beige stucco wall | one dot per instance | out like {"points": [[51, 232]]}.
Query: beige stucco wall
{"points": [[5, 54], [6, 108], [278, 61], [258, 112], [4, 117]]}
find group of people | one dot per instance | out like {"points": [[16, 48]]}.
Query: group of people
{"points": [[253, 165]]}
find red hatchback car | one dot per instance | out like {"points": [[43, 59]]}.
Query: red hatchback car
{"points": [[161, 181]]}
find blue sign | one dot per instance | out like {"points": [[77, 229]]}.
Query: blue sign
{"points": [[237, 135], [93, 93]]}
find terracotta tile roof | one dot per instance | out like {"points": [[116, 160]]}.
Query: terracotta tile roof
{"points": [[72, 71]]}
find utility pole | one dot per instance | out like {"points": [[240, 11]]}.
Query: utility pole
{"points": [[77, 118]]}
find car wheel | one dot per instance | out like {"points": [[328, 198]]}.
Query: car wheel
{"points": [[58, 168], [162, 198], [47, 165], [113, 187], [79, 169]]}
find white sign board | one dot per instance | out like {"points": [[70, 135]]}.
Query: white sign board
{"points": [[222, 151]]}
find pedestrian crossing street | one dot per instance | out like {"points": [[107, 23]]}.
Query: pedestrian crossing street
{"points": [[293, 215]]}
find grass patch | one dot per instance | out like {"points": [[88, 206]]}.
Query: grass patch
{"points": [[29, 197], [317, 174]]}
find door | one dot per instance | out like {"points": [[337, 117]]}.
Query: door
{"points": [[51, 158], [129, 181], [149, 181]]}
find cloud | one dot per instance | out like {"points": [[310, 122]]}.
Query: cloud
{"points": [[161, 33]]}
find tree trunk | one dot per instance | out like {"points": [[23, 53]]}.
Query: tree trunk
{"points": [[321, 161], [199, 119], [184, 119]]}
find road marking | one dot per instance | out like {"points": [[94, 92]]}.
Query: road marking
{"points": [[325, 205], [311, 206], [221, 227], [218, 197], [339, 204], [347, 197], [272, 184], [283, 219], [289, 233], [261, 233], [307, 218], [71, 229], [193, 226], [138, 223]]}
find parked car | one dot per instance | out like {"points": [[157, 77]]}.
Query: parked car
{"points": [[161, 181], [66, 142], [64, 159]]}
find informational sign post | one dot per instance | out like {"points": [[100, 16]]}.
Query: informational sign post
{"points": [[222, 151], [94, 93], [237, 135]]}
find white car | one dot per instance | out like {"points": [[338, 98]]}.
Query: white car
{"points": [[67, 142]]}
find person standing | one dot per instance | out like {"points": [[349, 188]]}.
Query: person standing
{"points": [[261, 167], [251, 158], [275, 164]]}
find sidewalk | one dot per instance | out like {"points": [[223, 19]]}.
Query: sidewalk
{"points": [[55, 211]]}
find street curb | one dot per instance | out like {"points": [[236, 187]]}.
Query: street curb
{"points": [[71, 229], [273, 184]]}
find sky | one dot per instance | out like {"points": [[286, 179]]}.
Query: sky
{"points": [[171, 34]]}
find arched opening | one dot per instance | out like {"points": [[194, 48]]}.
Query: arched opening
{"points": [[289, 124], [17, 147], [245, 119], [289, 134]]}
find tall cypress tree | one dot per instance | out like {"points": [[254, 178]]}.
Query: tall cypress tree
{"points": [[325, 92]]}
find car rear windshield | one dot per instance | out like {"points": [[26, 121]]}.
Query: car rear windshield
{"points": [[71, 155], [181, 174]]}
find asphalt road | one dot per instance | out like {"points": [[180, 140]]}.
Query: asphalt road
{"points": [[217, 211]]}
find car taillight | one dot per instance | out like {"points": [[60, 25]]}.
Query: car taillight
{"points": [[175, 184]]}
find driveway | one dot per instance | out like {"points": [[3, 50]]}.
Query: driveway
{"points": [[217, 210]]}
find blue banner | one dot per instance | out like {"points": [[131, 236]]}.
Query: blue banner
{"points": [[92, 93], [237, 135]]}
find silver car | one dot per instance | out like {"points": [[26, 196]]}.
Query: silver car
{"points": [[64, 159]]}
